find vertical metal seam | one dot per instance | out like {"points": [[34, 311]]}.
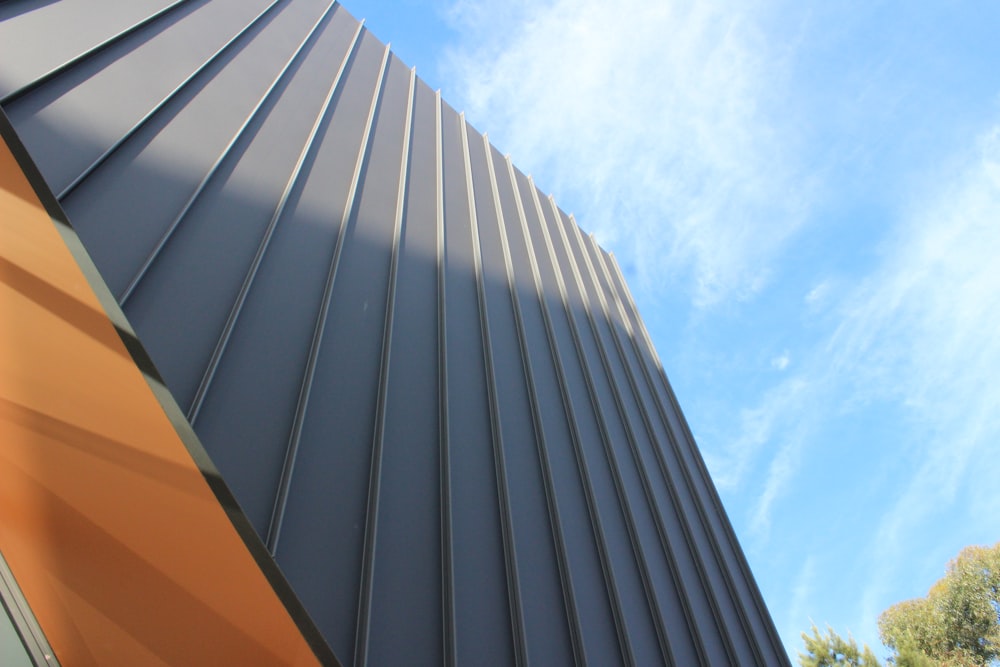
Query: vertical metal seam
{"points": [[284, 484], [447, 564], [363, 629], [159, 105], [569, 595], [595, 520], [707, 488], [630, 431], [86, 55], [293, 179], [192, 199], [499, 459], [602, 425], [668, 550], [692, 489]]}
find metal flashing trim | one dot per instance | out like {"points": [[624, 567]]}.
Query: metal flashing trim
{"points": [[185, 434], [13, 601]]}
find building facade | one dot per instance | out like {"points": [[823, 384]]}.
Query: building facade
{"points": [[420, 414]]}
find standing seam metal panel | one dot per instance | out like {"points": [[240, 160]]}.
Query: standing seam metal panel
{"points": [[562, 565], [709, 498], [482, 586], [632, 437], [605, 423], [720, 650], [406, 610], [420, 379], [585, 589]]}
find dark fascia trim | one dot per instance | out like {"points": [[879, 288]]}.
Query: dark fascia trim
{"points": [[244, 528], [15, 605]]}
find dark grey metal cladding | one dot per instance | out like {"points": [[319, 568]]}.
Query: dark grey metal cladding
{"points": [[249, 410], [322, 542], [759, 633], [130, 195], [30, 61], [543, 603], [710, 593], [584, 575], [182, 302], [482, 596], [631, 480], [407, 606], [430, 393], [621, 562], [693, 588], [110, 93], [668, 594]]}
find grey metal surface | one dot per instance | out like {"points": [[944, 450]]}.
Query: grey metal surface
{"points": [[430, 393]]}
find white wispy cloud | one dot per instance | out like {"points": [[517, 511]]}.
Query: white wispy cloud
{"points": [[657, 119], [798, 609], [918, 337], [665, 125], [926, 331], [757, 434], [781, 472], [781, 361]]}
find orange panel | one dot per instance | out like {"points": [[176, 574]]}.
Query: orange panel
{"points": [[110, 528]]}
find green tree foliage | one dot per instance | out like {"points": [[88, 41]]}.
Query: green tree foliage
{"points": [[958, 623], [832, 650]]}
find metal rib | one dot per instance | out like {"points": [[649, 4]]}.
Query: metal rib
{"points": [[685, 596], [596, 525], [159, 105], [86, 55], [602, 425], [284, 484], [447, 564], [293, 179], [378, 439], [706, 488], [569, 595], [499, 458]]}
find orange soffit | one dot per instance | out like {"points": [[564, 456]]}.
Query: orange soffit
{"points": [[111, 530]]}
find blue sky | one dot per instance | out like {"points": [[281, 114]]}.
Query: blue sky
{"points": [[805, 199]]}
